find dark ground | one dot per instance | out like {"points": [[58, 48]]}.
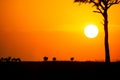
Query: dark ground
{"points": [[60, 70]]}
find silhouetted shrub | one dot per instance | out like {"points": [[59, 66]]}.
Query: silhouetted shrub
{"points": [[72, 58], [45, 58], [54, 58]]}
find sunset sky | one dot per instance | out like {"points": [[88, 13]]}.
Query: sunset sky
{"points": [[32, 29]]}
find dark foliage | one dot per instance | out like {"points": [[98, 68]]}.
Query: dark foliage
{"points": [[45, 58], [54, 58], [72, 58]]}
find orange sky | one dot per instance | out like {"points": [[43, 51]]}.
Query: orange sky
{"points": [[31, 29]]}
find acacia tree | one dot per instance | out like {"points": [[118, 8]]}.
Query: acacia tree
{"points": [[54, 58], [72, 58], [102, 7], [45, 58]]}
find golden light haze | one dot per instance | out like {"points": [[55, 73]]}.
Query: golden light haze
{"points": [[31, 29]]}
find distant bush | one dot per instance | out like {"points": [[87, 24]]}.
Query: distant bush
{"points": [[72, 58], [45, 58], [54, 58]]}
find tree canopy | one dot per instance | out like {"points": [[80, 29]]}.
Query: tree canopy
{"points": [[101, 5]]}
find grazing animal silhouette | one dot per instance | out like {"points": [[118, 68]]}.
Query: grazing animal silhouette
{"points": [[16, 60]]}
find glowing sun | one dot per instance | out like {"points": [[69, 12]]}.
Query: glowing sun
{"points": [[91, 31]]}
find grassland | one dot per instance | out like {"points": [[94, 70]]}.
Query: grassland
{"points": [[60, 70]]}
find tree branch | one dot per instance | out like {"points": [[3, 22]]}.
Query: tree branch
{"points": [[76, 0], [97, 5], [112, 3], [100, 3], [99, 11]]}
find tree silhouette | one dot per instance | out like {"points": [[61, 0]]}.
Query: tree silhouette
{"points": [[72, 58], [45, 58], [102, 7], [54, 58]]}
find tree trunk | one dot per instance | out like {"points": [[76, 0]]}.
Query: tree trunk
{"points": [[107, 54]]}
